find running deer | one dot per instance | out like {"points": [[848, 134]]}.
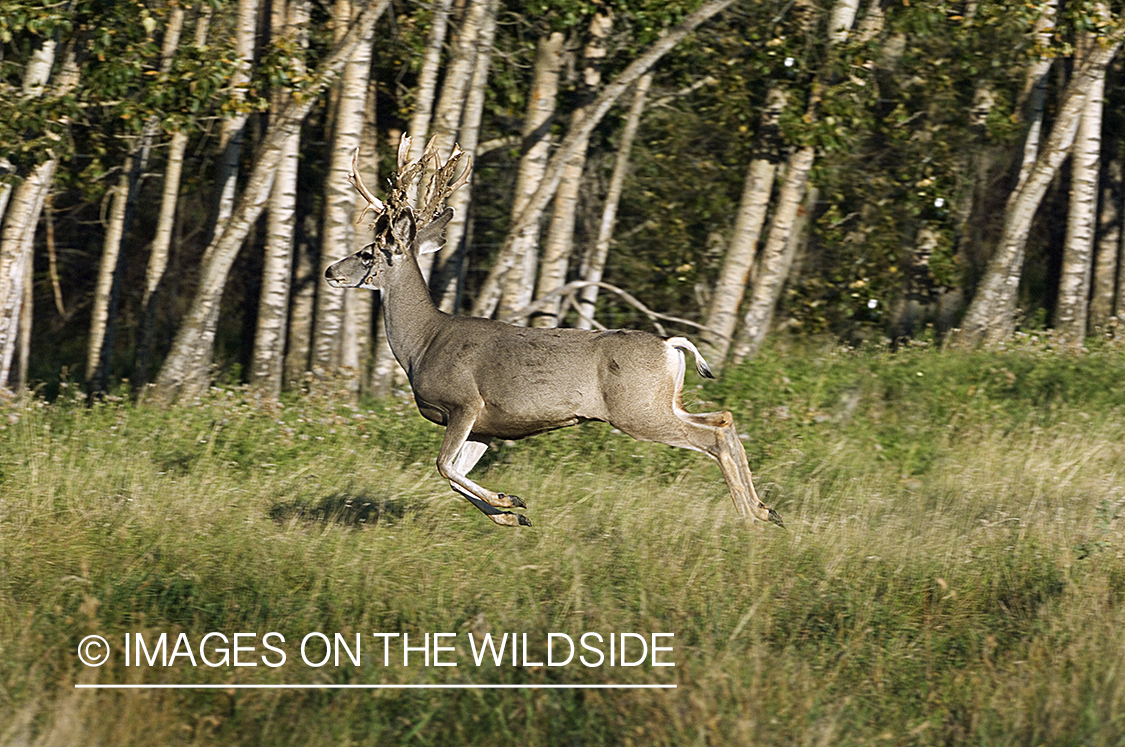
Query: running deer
{"points": [[483, 379]]}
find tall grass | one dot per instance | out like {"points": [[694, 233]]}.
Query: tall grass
{"points": [[952, 571]]}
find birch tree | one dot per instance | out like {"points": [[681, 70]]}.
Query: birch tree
{"points": [[103, 316], [593, 265], [726, 299], [1078, 252], [186, 370], [990, 317], [511, 289], [287, 20], [26, 203], [162, 241], [777, 255], [340, 205], [230, 139], [560, 233], [454, 90], [450, 260], [530, 216]]}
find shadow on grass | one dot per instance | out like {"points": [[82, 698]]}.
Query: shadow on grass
{"points": [[346, 510]]}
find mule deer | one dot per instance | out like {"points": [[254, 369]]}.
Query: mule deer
{"points": [[483, 379]]}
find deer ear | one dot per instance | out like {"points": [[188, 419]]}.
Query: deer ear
{"points": [[404, 230], [430, 237]]}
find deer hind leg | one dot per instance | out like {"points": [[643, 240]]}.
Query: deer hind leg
{"points": [[459, 453], [714, 434]]}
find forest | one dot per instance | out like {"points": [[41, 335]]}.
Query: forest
{"points": [[174, 176]]}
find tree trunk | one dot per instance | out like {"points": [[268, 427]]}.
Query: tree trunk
{"points": [[165, 224], [560, 234], [426, 90], [777, 256], [16, 244], [25, 329], [458, 77], [277, 267], [186, 370], [1074, 284], [1108, 246], [991, 314], [1035, 88], [107, 294], [452, 256], [301, 310], [594, 263], [17, 240], [530, 216], [738, 264], [230, 138], [360, 307], [340, 211], [515, 292], [99, 345]]}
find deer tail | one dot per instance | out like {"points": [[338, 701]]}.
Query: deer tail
{"points": [[684, 344]]}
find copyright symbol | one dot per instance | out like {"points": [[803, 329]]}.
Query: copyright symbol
{"points": [[93, 651]]}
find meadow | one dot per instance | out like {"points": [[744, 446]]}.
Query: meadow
{"points": [[951, 571]]}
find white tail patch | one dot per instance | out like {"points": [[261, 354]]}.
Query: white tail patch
{"points": [[685, 344]]}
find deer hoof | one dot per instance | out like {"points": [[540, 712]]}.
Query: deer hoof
{"points": [[524, 521], [775, 517], [513, 500]]}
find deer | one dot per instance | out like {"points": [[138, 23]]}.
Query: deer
{"points": [[483, 379]]}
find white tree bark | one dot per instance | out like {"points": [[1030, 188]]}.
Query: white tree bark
{"points": [[340, 211], [560, 233], [301, 309], [1078, 252], [738, 264], [777, 256], [230, 138], [516, 290], [267, 362], [454, 89], [359, 308], [24, 206], [103, 316], [1035, 88], [186, 370], [452, 256], [165, 224], [594, 263], [990, 317], [16, 244], [531, 215], [426, 90]]}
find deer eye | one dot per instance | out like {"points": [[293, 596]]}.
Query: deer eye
{"points": [[366, 257]]}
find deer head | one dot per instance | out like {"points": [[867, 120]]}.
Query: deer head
{"points": [[401, 236]]}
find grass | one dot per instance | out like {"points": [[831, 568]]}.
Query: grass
{"points": [[952, 572]]}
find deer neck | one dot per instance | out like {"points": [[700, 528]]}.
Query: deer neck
{"points": [[409, 315]]}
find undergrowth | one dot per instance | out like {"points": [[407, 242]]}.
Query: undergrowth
{"points": [[952, 569]]}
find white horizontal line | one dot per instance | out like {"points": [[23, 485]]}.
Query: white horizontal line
{"points": [[375, 687]]}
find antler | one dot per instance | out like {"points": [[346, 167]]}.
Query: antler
{"points": [[373, 202], [442, 182], [440, 185]]}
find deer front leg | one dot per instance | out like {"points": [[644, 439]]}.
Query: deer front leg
{"points": [[459, 452]]}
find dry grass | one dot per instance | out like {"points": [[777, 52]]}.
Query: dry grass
{"points": [[941, 581]]}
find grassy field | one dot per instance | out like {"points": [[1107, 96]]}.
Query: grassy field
{"points": [[952, 569]]}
